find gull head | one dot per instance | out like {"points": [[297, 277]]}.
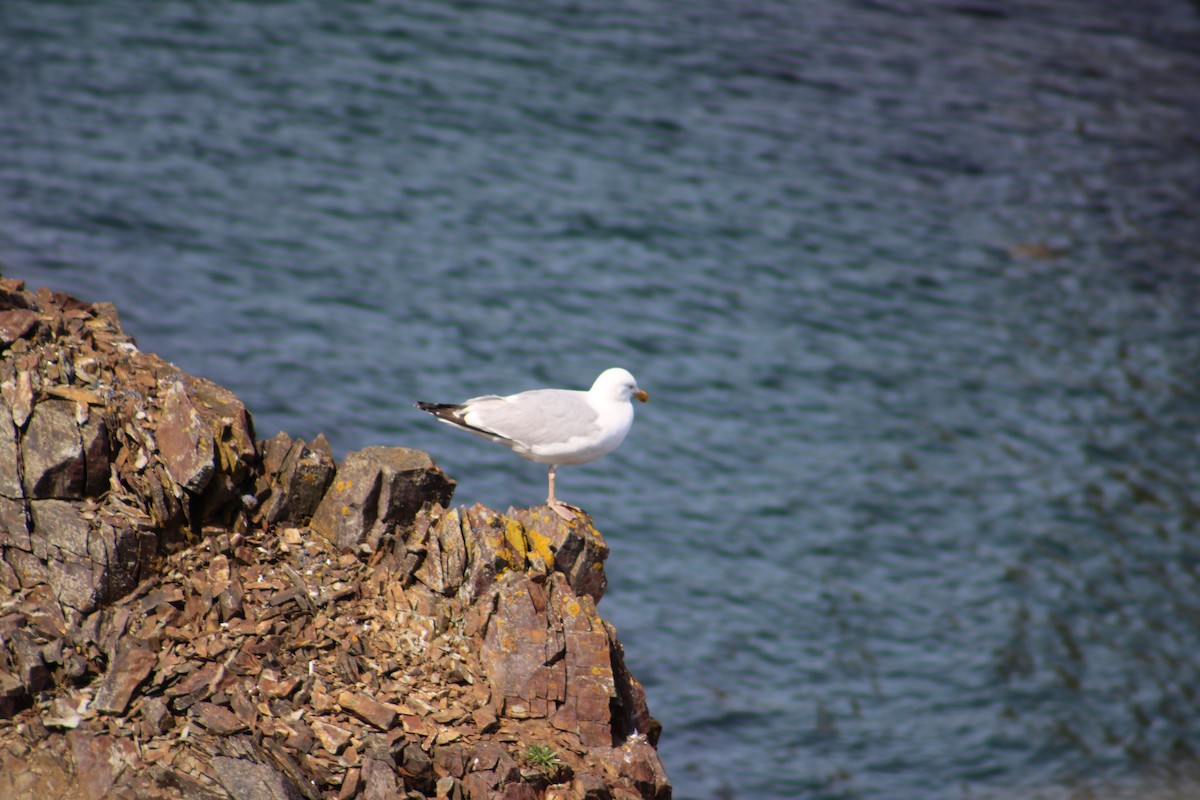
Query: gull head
{"points": [[617, 384]]}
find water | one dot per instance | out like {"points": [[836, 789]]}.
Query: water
{"points": [[913, 287]]}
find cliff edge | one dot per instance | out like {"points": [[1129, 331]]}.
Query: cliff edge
{"points": [[186, 612]]}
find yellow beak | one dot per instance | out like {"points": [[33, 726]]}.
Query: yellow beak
{"points": [[640, 395]]}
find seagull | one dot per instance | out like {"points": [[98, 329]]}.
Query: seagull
{"points": [[552, 426]]}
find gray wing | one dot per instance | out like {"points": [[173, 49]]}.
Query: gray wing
{"points": [[540, 417]]}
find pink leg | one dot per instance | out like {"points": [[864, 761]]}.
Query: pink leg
{"points": [[562, 509]]}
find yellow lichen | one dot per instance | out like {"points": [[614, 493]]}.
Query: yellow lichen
{"points": [[514, 534], [540, 545]]}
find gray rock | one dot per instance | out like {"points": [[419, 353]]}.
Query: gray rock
{"points": [[61, 525], [376, 490], [52, 453], [297, 475], [14, 524], [249, 780], [10, 472]]}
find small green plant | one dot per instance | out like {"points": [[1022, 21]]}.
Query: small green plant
{"points": [[542, 756]]}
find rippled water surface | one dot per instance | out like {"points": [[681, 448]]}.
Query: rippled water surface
{"points": [[913, 286]]}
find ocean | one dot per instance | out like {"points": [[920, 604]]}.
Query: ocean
{"points": [[913, 286]]}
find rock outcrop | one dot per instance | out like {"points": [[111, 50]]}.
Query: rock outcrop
{"points": [[186, 612]]}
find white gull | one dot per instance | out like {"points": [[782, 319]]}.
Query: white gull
{"points": [[551, 426]]}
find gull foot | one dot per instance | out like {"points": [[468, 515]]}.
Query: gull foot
{"points": [[564, 510]]}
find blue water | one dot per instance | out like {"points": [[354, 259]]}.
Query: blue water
{"points": [[913, 287]]}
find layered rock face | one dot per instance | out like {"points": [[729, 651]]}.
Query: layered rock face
{"points": [[186, 612]]}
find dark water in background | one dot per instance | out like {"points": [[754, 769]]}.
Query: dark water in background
{"points": [[913, 285]]}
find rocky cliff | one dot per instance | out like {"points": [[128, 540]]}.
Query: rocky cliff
{"points": [[186, 612]]}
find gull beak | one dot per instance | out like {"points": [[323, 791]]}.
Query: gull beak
{"points": [[640, 395]]}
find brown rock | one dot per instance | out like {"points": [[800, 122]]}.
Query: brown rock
{"points": [[217, 719], [297, 475], [247, 780], [10, 476], [368, 710], [481, 627], [131, 668], [522, 646], [451, 759], [230, 423], [332, 737], [94, 438], [16, 324], [14, 524], [645, 769], [75, 581], [520, 791], [19, 397], [95, 766], [62, 528], [634, 711], [449, 788], [29, 569], [378, 779], [415, 762], [445, 555], [273, 685], [11, 691], [185, 441], [13, 294], [349, 784], [52, 453], [576, 548], [586, 786], [376, 490], [156, 717], [586, 708], [498, 544], [26, 656]]}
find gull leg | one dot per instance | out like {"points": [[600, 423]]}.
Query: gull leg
{"points": [[565, 511]]}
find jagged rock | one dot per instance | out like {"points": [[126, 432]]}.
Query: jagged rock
{"points": [[16, 324], [26, 657], [445, 555], [546, 652], [132, 666], [10, 472], [158, 642], [646, 771], [12, 691], [93, 757], [59, 525], [247, 780], [14, 524], [379, 780], [18, 396], [87, 562], [578, 548], [217, 719], [499, 546], [378, 489], [296, 475], [93, 435], [12, 293], [52, 452], [185, 441], [368, 710]]}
